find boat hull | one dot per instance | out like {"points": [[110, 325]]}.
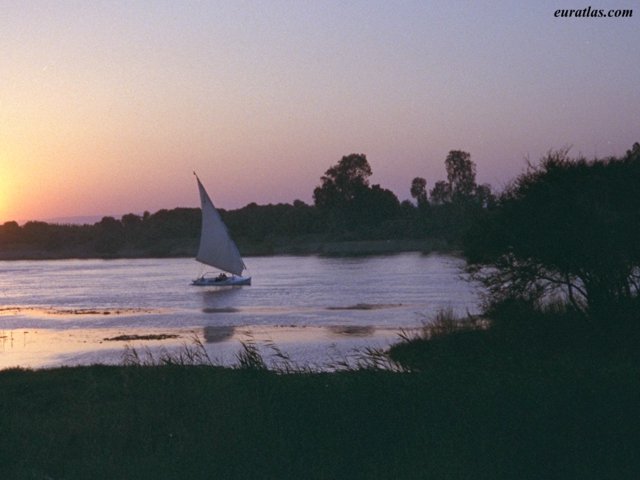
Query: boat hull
{"points": [[232, 281]]}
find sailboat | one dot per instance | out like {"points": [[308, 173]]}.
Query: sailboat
{"points": [[217, 249]]}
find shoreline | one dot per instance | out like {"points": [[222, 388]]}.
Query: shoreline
{"points": [[337, 248], [318, 347]]}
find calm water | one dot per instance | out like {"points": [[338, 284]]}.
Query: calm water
{"points": [[90, 299]]}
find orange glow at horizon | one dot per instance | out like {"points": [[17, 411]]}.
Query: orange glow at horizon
{"points": [[7, 186], [3, 204], [106, 107]]}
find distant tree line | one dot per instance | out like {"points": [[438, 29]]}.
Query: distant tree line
{"points": [[566, 228], [161, 233], [345, 207]]}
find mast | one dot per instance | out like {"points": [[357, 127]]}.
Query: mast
{"points": [[217, 248]]}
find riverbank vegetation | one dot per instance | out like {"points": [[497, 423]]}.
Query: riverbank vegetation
{"points": [[468, 400], [348, 216], [544, 384]]}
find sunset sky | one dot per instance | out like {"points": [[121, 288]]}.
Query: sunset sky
{"points": [[106, 107]]}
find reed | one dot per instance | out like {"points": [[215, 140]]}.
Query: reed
{"points": [[193, 353], [475, 407], [175, 421]]}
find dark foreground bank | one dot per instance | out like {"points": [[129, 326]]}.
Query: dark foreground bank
{"points": [[455, 422]]}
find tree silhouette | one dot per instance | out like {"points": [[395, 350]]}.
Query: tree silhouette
{"points": [[440, 193], [343, 187], [566, 226], [349, 206], [461, 174], [419, 191], [343, 182]]}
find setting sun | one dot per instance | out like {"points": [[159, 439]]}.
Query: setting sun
{"points": [[410, 249], [9, 185], [4, 195], [102, 116]]}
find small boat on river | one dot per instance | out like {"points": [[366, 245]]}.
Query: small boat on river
{"points": [[217, 249]]}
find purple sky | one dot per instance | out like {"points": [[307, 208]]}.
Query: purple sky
{"points": [[107, 107]]}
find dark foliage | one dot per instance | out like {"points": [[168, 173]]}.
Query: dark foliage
{"points": [[345, 200], [419, 191], [255, 223], [461, 174], [455, 204], [458, 422], [566, 227], [346, 208]]}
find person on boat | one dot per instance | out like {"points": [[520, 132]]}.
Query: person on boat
{"points": [[221, 277]]}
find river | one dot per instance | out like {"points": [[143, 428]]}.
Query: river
{"points": [[317, 310]]}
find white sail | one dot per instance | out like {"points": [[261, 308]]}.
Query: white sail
{"points": [[217, 249]]}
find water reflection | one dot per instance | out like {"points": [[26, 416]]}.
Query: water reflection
{"points": [[5, 339], [293, 300], [218, 334], [218, 300]]}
